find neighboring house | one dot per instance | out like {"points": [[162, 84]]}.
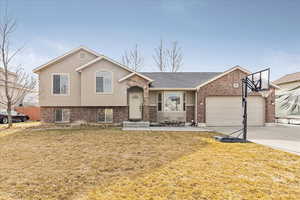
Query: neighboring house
{"points": [[289, 81], [84, 85], [288, 98], [13, 89]]}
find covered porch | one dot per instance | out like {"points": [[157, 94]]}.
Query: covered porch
{"points": [[172, 107]]}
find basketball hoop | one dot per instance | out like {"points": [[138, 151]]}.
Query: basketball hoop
{"points": [[256, 82]]}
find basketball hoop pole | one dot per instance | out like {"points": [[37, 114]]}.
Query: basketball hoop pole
{"points": [[254, 86], [244, 102]]}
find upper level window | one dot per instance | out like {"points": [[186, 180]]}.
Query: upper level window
{"points": [[60, 83], [103, 82]]}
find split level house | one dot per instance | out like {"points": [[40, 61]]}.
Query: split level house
{"points": [[83, 85]]}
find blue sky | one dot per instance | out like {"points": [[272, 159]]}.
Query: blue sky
{"points": [[214, 34]]}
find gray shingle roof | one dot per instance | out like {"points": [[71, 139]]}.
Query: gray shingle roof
{"points": [[179, 79]]}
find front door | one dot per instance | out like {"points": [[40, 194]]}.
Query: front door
{"points": [[135, 105]]}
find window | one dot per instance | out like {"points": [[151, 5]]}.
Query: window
{"points": [[105, 115], [159, 102], [62, 115], [184, 100], [103, 82], [60, 84], [173, 102]]}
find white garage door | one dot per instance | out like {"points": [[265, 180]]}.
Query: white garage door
{"points": [[228, 111]]}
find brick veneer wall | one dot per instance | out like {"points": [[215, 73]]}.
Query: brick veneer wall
{"points": [[190, 113], [89, 114], [270, 107], [224, 87], [153, 113]]}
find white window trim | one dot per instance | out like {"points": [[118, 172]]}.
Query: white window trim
{"points": [[62, 115], [181, 101], [69, 84], [112, 83]]}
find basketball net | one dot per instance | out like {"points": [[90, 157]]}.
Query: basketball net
{"points": [[265, 93]]}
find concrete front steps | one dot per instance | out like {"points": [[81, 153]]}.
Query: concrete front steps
{"points": [[138, 124]]}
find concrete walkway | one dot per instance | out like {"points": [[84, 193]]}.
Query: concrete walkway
{"points": [[163, 128], [286, 138]]}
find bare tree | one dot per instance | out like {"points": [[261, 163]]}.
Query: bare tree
{"points": [[160, 57], [17, 83], [174, 57], [133, 59]]}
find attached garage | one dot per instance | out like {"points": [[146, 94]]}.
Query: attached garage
{"points": [[228, 111]]}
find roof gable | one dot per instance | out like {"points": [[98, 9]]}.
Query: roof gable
{"points": [[79, 69], [137, 74], [57, 59], [227, 72], [223, 74]]}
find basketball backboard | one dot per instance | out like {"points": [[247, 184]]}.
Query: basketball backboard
{"points": [[260, 80]]}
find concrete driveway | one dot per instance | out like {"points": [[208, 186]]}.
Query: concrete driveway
{"points": [[286, 138]]}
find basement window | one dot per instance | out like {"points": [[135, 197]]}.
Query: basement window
{"points": [[62, 115], [105, 115]]}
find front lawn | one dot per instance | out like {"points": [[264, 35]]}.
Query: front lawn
{"points": [[95, 163]]}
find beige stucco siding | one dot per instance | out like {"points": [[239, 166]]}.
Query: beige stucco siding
{"points": [[14, 93], [89, 97], [67, 65]]}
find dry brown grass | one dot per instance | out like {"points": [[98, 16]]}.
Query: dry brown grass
{"points": [[17, 127], [218, 171], [64, 164], [108, 164]]}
